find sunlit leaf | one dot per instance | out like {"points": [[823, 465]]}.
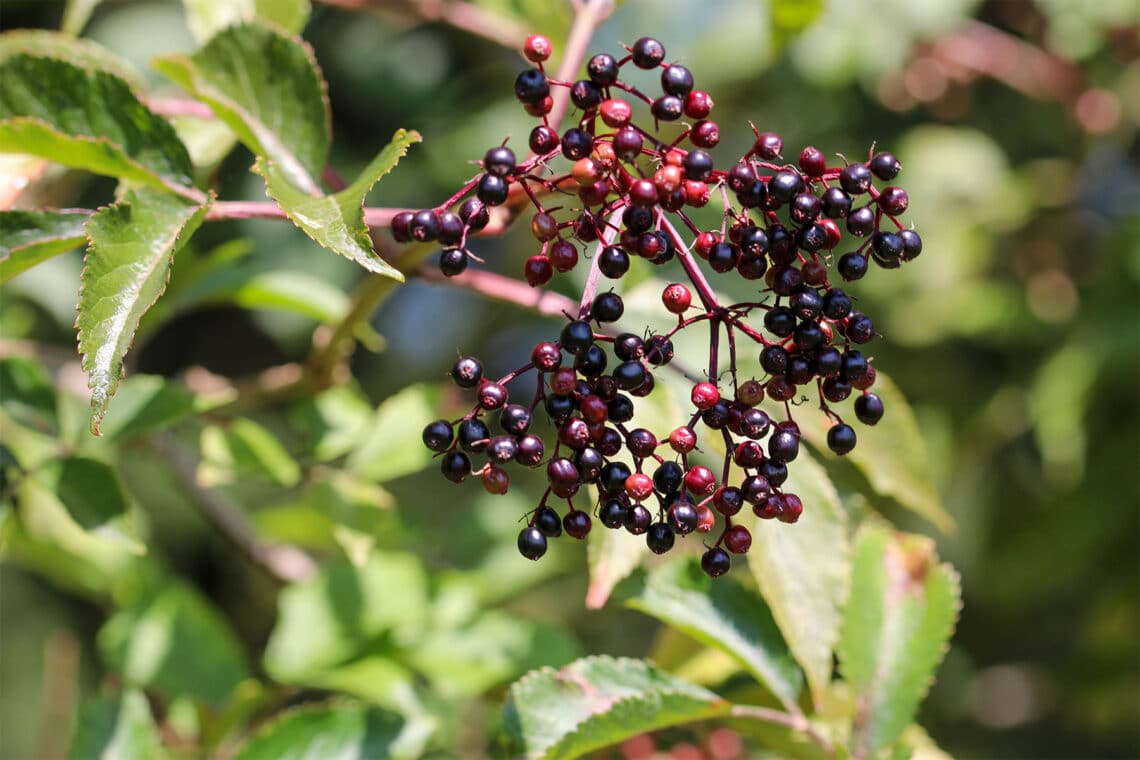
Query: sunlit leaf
{"points": [[87, 118], [294, 292], [65, 46], [392, 446], [596, 702], [146, 403], [133, 243], [338, 730], [29, 237], [116, 726], [721, 613], [896, 627], [803, 571], [208, 17], [244, 447]]}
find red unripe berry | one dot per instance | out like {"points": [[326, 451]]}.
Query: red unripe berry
{"points": [[668, 178], [537, 48], [616, 112], [586, 171], [814, 272], [750, 393], [595, 194], [792, 508], [704, 243], [812, 161], [696, 193], [643, 192], [563, 381], [737, 539], [747, 454], [496, 480], [705, 134], [705, 396], [563, 255], [700, 481], [594, 409], [541, 108], [833, 233], [698, 104], [546, 357], [676, 298], [639, 486], [706, 519], [683, 440], [538, 270]]}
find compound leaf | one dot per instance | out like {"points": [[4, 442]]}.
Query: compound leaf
{"points": [[88, 118], [132, 246], [898, 621], [803, 571], [337, 221], [596, 702], [267, 88], [29, 237], [721, 613]]}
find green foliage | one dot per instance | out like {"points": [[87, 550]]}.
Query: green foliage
{"points": [[29, 237], [341, 730], [118, 725]]}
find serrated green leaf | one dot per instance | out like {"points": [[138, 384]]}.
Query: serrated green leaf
{"points": [[340, 731], [176, 643], [803, 571], [208, 17], [146, 403], [896, 628], [337, 221], [27, 393], [116, 726], [596, 702], [329, 619], [720, 613], [133, 243], [64, 46], [244, 447], [267, 87], [392, 447], [89, 119], [89, 489], [29, 237]]}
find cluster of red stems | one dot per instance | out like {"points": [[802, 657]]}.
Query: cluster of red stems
{"points": [[634, 194]]}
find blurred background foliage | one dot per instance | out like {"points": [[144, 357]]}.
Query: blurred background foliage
{"points": [[1016, 337]]}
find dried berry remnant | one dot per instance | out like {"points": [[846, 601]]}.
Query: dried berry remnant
{"points": [[621, 187]]}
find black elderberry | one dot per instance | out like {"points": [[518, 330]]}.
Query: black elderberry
{"points": [[774, 360], [492, 395], [613, 262], [807, 336], [592, 361], [575, 433], [836, 389], [912, 244], [860, 328], [805, 208], [785, 185], [401, 226], [783, 446], [589, 462], [453, 261], [424, 226], [852, 266], [532, 544], [455, 466], [637, 219], [645, 388], [543, 139], [723, 257], [492, 189], [682, 516], [799, 369], [855, 179], [668, 477], [676, 80], [768, 146], [780, 321], [473, 435], [467, 372], [869, 408], [774, 472], [577, 523], [740, 177], [499, 161], [855, 366], [473, 212], [786, 280], [753, 241], [728, 500], [612, 513], [531, 86], [602, 69], [611, 480], [754, 424], [715, 562], [658, 351], [841, 438], [647, 53], [861, 221], [502, 449], [835, 203], [607, 307], [577, 336], [547, 521], [886, 248], [836, 304], [627, 144], [667, 108], [885, 166], [659, 538], [451, 228], [585, 94], [807, 304], [630, 375], [438, 435], [827, 362], [531, 450], [811, 238], [638, 519], [559, 407], [641, 443], [698, 165], [577, 143], [620, 408]]}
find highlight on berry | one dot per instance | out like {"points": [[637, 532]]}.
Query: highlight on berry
{"points": [[627, 181]]}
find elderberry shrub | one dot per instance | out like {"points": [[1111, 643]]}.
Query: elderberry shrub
{"points": [[787, 224]]}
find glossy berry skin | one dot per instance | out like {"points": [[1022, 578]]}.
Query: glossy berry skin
{"points": [[537, 48], [638, 519], [869, 408], [614, 262], [704, 396], [499, 161], [453, 261], [841, 439], [438, 435], [455, 466], [612, 513], [647, 53], [576, 143], [531, 86], [855, 179], [737, 539], [492, 189], [607, 307], [602, 69], [532, 543], [543, 139], [467, 372], [577, 524], [683, 517], [547, 521], [676, 80], [659, 538], [885, 166], [577, 336], [676, 298], [700, 481], [715, 562], [667, 108]]}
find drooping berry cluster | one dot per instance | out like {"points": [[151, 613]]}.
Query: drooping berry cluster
{"points": [[635, 190]]}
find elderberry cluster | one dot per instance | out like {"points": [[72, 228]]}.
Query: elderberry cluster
{"points": [[631, 192]]}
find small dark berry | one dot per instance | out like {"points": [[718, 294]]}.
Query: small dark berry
{"points": [[647, 53], [912, 244], [438, 435], [532, 544], [492, 189], [855, 179], [698, 165], [577, 524], [473, 435], [502, 449], [885, 166], [585, 94], [667, 108], [531, 450], [715, 562], [869, 408], [638, 519], [492, 395], [401, 226], [676, 80], [576, 143], [577, 336], [455, 466], [783, 446], [531, 86], [424, 226], [659, 538], [467, 372], [737, 539], [602, 69], [607, 307], [852, 266], [453, 261], [614, 262], [768, 146]]}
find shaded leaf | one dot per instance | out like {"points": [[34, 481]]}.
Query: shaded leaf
{"points": [[133, 243], [29, 237], [89, 489], [721, 613], [803, 571], [896, 628], [208, 17], [116, 726], [325, 621], [89, 119], [27, 393], [612, 555], [599, 701], [392, 446], [294, 292], [146, 403], [339, 730], [333, 420], [891, 455], [244, 447], [337, 221], [175, 642], [268, 89]]}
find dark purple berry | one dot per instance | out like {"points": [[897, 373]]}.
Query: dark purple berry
{"points": [[532, 544], [885, 166], [531, 450], [602, 69], [499, 161], [467, 372], [455, 466], [667, 108], [614, 262], [647, 53], [676, 80], [715, 562], [531, 86], [855, 179], [638, 519], [841, 438], [852, 266], [869, 408], [438, 435], [576, 523], [492, 189], [453, 261], [473, 435], [607, 307], [659, 538], [612, 513], [577, 143], [577, 336]]}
